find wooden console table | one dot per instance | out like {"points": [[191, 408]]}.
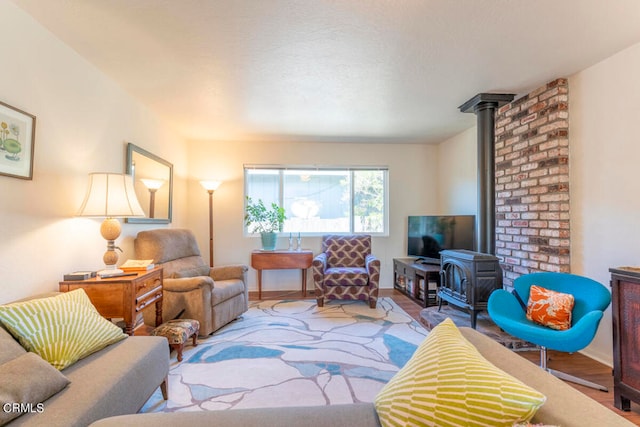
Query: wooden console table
{"points": [[282, 260], [123, 297]]}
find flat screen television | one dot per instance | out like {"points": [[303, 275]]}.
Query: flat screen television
{"points": [[428, 235]]}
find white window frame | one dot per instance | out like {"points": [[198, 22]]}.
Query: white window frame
{"points": [[351, 169]]}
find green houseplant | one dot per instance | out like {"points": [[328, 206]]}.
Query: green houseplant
{"points": [[265, 220]]}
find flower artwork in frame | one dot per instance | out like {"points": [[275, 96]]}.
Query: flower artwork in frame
{"points": [[17, 137]]}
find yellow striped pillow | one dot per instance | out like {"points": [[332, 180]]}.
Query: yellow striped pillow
{"points": [[61, 329], [447, 382]]}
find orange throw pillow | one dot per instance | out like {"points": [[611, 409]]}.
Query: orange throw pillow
{"points": [[550, 308]]}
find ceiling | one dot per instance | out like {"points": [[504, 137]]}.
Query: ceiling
{"points": [[333, 70]]}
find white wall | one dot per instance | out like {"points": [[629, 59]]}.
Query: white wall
{"points": [[83, 121], [604, 112], [412, 189], [458, 174]]}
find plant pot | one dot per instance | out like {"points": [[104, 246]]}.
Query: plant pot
{"points": [[269, 241]]}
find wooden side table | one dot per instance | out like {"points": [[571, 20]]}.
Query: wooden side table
{"points": [[123, 297], [282, 260]]}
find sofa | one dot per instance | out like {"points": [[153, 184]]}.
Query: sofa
{"points": [[564, 406], [115, 380], [214, 296]]}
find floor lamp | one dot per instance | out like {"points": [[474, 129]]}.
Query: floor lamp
{"points": [[210, 186], [153, 185]]}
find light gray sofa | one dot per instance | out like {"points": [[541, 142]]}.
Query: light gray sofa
{"points": [[565, 406], [116, 380]]}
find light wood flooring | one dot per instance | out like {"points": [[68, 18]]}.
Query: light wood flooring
{"points": [[574, 364]]}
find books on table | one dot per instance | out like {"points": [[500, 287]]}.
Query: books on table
{"points": [[79, 275], [132, 265]]}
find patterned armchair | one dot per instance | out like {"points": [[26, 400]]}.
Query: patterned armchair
{"points": [[346, 270]]}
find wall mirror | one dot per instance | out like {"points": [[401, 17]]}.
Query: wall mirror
{"points": [[153, 181]]}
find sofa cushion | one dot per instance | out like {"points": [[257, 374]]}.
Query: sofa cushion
{"points": [[196, 271], [346, 251], [345, 276], [336, 415], [27, 379], [164, 245], [550, 308], [9, 347], [448, 379], [60, 329], [224, 290]]}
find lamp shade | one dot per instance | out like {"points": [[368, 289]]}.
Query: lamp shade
{"points": [[110, 195], [152, 184], [210, 185]]}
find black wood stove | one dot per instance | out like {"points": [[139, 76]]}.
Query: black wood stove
{"points": [[467, 279]]}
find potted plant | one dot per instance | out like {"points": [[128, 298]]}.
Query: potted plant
{"points": [[266, 221]]}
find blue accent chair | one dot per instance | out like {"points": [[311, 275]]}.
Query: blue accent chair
{"points": [[591, 299]]}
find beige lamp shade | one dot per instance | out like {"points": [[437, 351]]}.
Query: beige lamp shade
{"points": [[110, 195]]}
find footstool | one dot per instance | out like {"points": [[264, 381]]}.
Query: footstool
{"points": [[177, 332]]}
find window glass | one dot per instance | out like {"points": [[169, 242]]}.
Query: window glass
{"points": [[323, 200], [316, 201], [368, 201]]}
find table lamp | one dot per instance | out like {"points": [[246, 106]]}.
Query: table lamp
{"points": [[110, 196], [210, 186]]}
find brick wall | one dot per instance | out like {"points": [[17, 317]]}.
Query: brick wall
{"points": [[532, 182]]}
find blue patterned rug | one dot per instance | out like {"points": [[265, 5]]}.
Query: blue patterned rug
{"points": [[292, 353]]}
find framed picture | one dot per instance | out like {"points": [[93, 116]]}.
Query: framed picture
{"points": [[17, 138]]}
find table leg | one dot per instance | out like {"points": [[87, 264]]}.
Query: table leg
{"points": [[158, 312], [259, 284], [128, 327], [304, 282]]}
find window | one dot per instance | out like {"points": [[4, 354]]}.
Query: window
{"points": [[323, 200]]}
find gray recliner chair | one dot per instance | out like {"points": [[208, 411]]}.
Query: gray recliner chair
{"points": [[212, 295]]}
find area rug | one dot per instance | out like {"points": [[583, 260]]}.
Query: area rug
{"points": [[293, 353], [430, 317]]}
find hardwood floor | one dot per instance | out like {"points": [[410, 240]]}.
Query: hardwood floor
{"points": [[574, 364]]}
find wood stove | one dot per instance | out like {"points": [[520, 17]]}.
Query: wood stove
{"points": [[467, 279]]}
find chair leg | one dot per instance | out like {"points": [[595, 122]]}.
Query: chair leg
{"points": [[577, 380], [567, 377]]}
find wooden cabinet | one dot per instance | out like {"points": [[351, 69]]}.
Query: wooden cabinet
{"points": [[625, 294], [418, 281], [123, 297]]}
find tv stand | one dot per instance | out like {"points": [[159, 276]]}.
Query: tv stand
{"points": [[427, 261], [419, 279]]}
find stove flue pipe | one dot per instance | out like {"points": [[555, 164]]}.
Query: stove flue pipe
{"points": [[484, 106]]}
